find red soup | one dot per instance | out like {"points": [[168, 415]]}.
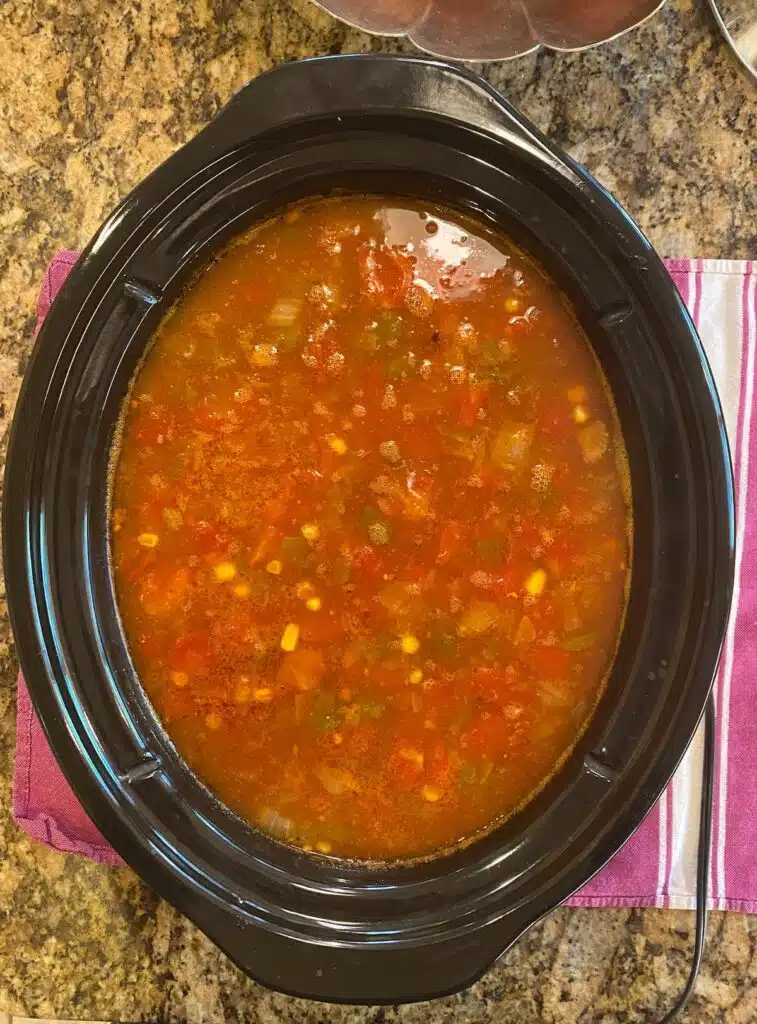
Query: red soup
{"points": [[370, 527]]}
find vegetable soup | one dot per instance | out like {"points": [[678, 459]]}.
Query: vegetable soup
{"points": [[370, 527]]}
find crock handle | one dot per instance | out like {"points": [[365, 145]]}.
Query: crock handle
{"points": [[361, 84], [371, 975]]}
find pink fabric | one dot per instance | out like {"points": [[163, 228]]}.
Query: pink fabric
{"points": [[656, 867], [44, 804]]}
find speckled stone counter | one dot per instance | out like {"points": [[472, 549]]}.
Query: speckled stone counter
{"points": [[92, 96]]}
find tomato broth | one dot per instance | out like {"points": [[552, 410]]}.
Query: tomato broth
{"points": [[370, 527]]}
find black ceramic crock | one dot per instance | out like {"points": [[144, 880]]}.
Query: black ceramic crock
{"points": [[301, 923]]}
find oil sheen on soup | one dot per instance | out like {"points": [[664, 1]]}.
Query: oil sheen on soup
{"points": [[370, 529]]}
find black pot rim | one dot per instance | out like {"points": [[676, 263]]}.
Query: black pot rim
{"points": [[300, 924]]}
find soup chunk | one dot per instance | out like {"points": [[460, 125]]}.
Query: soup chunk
{"points": [[370, 531]]}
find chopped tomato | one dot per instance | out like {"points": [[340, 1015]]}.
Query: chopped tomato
{"points": [[488, 736], [549, 662], [210, 539], [191, 654], [274, 509], [385, 274], [178, 703], [264, 544], [406, 764], [512, 579], [234, 630], [302, 669], [475, 397], [492, 684], [362, 741], [450, 540], [555, 422], [138, 565], [151, 424], [215, 414], [366, 562], [163, 592], [390, 674], [439, 766], [321, 627]]}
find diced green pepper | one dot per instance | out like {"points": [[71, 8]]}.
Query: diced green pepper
{"points": [[342, 571], [389, 327], [289, 338], [582, 642], [368, 342], [323, 714], [380, 648], [475, 773], [398, 367], [369, 515], [462, 719], [372, 707], [490, 548], [442, 642], [479, 617], [294, 550]]}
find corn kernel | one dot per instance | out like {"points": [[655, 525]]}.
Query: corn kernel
{"points": [[580, 414], [263, 695], [336, 444], [345, 693], [224, 571], [313, 604], [416, 676], [242, 692], [577, 395], [431, 793], [535, 583], [409, 644], [305, 590], [178, 678], [274, 567], [148, 540], [307, 848], [322, 846], [413, 756], [513, 305], [310, 531], [241, 590], [290, 637], [337, 738], [213, 721]]}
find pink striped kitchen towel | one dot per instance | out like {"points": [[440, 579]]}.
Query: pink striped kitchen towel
{"points": [[656, 867]]}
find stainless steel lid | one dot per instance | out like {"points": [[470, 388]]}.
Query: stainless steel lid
{"points": [[494, 29], [738, 22]]}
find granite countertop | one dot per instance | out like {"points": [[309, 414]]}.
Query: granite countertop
{"points": [[92, 96]]}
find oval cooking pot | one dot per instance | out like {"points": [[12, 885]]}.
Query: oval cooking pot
{"points": [[298, 922]]}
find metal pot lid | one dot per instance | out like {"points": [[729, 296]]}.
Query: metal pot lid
{"points": [[495, 29], [738, 23]]}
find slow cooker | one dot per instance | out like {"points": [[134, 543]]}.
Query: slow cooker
{"points": [[300, 923]]}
